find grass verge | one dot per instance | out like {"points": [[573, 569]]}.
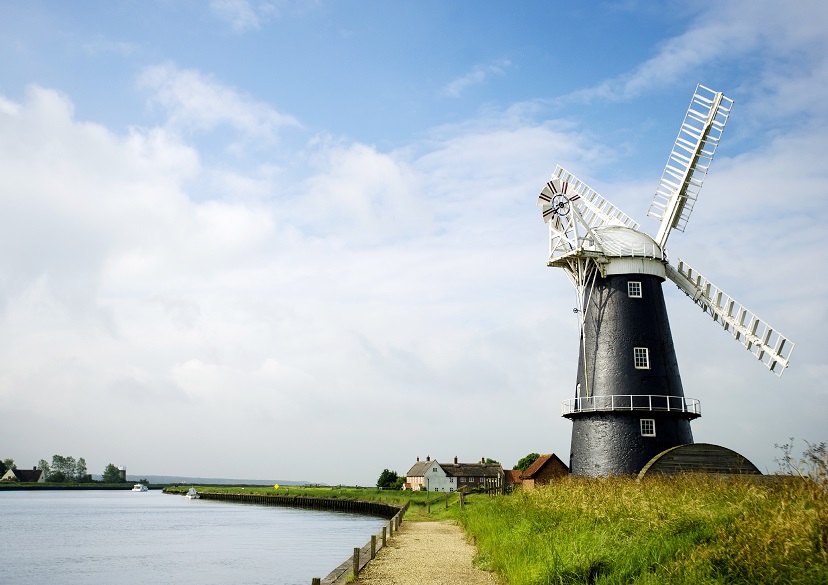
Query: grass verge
{"points": [[684, 529]]}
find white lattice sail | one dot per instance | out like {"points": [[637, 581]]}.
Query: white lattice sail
{"points": [[689, 161], [768, 345]]}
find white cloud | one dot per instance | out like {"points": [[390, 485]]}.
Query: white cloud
{"points": [[241, 15], [722, 35], [477, 76], [193, 101], [292, 309]]}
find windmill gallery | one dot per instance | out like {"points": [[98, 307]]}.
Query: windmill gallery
{"points": [[629, 409]]}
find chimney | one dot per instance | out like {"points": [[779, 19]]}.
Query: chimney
{"points": [[455, 459], [428, 457], [34, 468], [482, 460], [418, 459]]}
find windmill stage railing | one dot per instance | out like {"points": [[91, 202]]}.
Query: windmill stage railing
{"points": [[632, 402]]}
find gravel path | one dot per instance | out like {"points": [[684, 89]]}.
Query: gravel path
{"points": [[425, 553]]}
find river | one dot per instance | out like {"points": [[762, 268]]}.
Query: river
{"points": [[99, 537]]}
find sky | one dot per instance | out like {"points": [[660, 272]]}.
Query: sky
{"points": [[299, 240]]}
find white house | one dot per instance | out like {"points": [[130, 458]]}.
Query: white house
{"points": [[33, 475], [415, 478], [451, 477]]}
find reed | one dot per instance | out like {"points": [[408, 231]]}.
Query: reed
{"points": [[681, 529]]}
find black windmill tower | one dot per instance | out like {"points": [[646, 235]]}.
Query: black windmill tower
{"points": [[629, 402]]}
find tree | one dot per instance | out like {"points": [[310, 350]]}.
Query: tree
{"points": [[81, 474], [111, 474], [43, 465], [387, 479], [63, 469], [490, 461], [5, 465], [524, 463]]}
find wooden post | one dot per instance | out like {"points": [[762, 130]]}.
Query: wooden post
{"points": [[462, 500], [429, 506], [373, 546], [356, 561], [383, 536], [447, 501]]}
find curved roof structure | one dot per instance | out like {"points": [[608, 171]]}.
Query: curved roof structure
{"points": [[699, 458], [617, 240]]}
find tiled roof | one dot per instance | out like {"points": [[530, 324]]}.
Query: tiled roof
{"points": [[419, 469], [472, 469], [28, 475], [539, 463], [512, 475]]}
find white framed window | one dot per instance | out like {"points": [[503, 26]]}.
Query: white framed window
{"points": [[462, 480], [451, 480], [634, 289], [641, 358], [648, 427]]}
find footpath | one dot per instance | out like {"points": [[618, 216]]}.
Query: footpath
{"points": [[425, 553]]}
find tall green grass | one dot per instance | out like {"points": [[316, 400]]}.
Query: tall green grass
{"points": [[682, 529]]}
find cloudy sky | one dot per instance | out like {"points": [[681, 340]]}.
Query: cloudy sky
{"points": [[299, 240]]}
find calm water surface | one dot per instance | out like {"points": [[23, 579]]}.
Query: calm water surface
{"points": [[97, 537]]}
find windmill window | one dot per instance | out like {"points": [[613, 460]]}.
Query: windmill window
{"points": [[634, 289], [648, 427], [641, 357]]}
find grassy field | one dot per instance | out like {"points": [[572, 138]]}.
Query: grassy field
{"points": [[686, 529]]}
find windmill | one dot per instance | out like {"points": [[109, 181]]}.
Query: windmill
{"points": [[629, 402]]}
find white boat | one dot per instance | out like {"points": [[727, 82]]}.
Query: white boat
{"points": [[192, 494], [139, 487]]}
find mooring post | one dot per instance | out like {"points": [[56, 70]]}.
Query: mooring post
{"points": [[373, 546], [383, 536], [356, 561]]}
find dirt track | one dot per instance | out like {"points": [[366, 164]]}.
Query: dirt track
{"points": [[425, 553]]}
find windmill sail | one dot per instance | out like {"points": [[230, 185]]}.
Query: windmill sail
{"points": [[768, 345], [595, 210], [689, 161], [573, 210]]}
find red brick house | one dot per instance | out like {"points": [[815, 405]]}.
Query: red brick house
{"points": [[511, 477], [545, 469]]}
